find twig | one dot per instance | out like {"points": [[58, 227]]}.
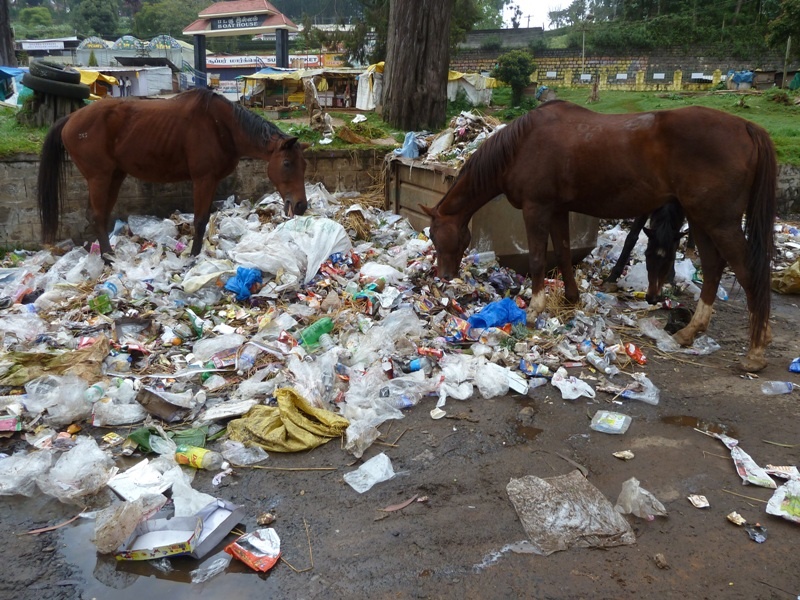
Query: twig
{"points": [[384, 444], [743, 496], [52, 527], [399, 436], [310, 554], [717, 455], [288, 468], [775, 587], [781, 445]]}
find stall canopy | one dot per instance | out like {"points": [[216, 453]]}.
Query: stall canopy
{"points": [[336, 86], [477, 87]]}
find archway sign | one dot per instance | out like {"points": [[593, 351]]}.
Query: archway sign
{"points": [[240, 17]]}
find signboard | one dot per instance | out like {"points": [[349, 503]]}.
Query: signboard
{"points": [[659, 75], [42, 45], [242, 22], [586, 76], [260, 61]]}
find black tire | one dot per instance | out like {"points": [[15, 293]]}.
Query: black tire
{"points": [[56, 88], [54, 72]]}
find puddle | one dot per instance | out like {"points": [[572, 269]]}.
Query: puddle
{"points": [[527, 432], [106, 577], [701, 424]]}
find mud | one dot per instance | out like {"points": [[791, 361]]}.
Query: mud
{"points": [[458, 542]]}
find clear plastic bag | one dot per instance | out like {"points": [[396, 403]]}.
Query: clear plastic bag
{"points": [[18, 473], [491, 380], [238, 454], [376, 469], [638, 501], [652, 328], [80, 472], [571, 387]]}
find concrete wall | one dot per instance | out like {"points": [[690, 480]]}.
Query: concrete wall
{"points": [[338, 170]]}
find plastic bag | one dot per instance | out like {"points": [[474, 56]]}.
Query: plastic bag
{"points": [[491, 379], [82, 471], [117, 522], [635, 278], [238, 454], [259, 550], [152, 228], [376, 469], [204, 349], [18, 473], [571, 387], [497, 314], [317, 238], [638, 501], [242, 283], [652, 328]]}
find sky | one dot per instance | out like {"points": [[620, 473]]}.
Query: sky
{"points": [[537, 10]]}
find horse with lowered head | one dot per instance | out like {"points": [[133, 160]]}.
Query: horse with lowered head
{"points": [[197, 135], [561, 157]]}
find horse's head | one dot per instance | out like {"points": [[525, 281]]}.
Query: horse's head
{"points": [[286, 170], [450, 237], [660, 260]]}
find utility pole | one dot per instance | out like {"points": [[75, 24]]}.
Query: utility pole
{"points": [[784, 85]]}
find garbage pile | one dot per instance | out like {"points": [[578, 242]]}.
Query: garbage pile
{"points": [[282, 335]]}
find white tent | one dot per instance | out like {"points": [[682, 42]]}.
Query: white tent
{"points": [[370, 87], [477, 87]]}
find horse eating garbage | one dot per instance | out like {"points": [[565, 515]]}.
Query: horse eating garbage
{"points": [[561, 157], [197, 135]]}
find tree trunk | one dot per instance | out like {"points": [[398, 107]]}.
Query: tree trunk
{"points": [[417, 62], [7, 56]]}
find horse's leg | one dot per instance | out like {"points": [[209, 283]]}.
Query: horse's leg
{"points": [[103, 192], [733, 246], [559, 234], [627, 248], [712, 264], [537, 226], [203, 192]]}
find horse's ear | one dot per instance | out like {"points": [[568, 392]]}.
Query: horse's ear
{"points": [[647, 231], [288, 143], [428, 211]]}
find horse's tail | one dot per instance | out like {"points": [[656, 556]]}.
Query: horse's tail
{"points": [[52, 180], [759, 222]]}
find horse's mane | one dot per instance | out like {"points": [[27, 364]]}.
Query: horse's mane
{"points": [[489, 161], [665, 223], [257, 128]]}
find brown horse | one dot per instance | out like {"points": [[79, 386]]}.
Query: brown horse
{"points": [[197, 135], [561, 157]]}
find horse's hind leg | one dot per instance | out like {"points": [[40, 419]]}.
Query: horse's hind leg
{"points": [[713, 264], [103, 192], [559, 234]]}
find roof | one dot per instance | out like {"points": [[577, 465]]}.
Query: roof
{"points": [[88, 77], [8, 72], [146, 61], [265, 19]]}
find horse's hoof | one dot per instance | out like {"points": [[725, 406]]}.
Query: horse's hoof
{"points": [[684, 337], [753, 364]]}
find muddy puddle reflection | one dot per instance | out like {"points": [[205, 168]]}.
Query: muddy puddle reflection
{"points": [[701, 424], [105, 577]]}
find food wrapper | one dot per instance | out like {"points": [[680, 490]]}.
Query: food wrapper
{"points": [[259, 550], [456, 330]]}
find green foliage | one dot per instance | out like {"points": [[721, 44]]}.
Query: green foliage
{"points": [[784, 25], [17, 139], [514, 68], [100, 17], [36, 16], [92, 59], [166, 16]]}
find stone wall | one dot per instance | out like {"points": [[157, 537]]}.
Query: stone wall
{"points": [[338, 170]]}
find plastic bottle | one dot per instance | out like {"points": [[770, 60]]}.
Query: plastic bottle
{"points": [[326, 341], [601, 364], [309, 337], [482, 258], [535, 383], [773, 388], [109, 288], [418, 364], [199, 458], [95, 392], [247, 358]]}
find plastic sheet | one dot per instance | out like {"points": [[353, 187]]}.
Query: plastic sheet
{"points": [[80, 472], [571, 387], [567, 511], [497, 314], [18, 472], [375, 470]]}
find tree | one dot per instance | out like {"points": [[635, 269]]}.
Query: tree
{"points": [[37, 16], [97, 16], [166, 16], [784, 25], [7, 56], [417, 61], [514, 68]]}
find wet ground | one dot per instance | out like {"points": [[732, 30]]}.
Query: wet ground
{"points": [[455, 544]]}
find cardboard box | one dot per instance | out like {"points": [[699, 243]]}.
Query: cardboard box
{"points": [[218, 519], [157, 538]]}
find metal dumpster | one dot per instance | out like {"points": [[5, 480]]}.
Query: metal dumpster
{"points": [[497, 226]]}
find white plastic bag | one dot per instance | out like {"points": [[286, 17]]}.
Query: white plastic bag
{"points": [[82, 471], [18, 472], [376, 469], [638, 501], [491, 379], [571, 387]]}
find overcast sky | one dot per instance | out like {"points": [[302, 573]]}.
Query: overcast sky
{"points": [[537, 11]]}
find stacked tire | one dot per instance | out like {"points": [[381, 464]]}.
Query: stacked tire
{"points": [[55, 79]]}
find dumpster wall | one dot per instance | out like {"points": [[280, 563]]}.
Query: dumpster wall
{"points": [[19, 218]]}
